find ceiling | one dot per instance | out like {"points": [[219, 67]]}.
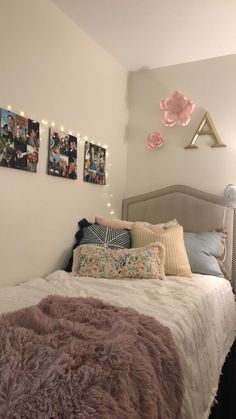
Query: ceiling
{"points": [[155, 33]]}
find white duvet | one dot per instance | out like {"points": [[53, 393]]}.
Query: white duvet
{"points": [[199, 311]]}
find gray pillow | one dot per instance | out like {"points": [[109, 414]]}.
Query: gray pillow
{"points": [[203, 249]]}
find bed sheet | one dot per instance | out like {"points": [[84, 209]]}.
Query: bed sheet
{"points": [[200, 311]]}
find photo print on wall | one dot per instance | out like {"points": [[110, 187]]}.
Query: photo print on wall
{"points": [[62, 160], [94, 164], [19, 141]]}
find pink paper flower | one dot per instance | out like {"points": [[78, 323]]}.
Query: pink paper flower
{"points": [[155, 140], [177, 110]]}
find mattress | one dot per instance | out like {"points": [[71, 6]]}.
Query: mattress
{"points": [[200, 311]]}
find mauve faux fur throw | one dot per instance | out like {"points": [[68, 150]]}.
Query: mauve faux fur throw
{"points": [[81, 358]]}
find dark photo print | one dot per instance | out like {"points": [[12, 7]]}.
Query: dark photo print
{"points": [[94, 164], [62, 154], [19, 141]]}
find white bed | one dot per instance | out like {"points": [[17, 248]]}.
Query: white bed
{"points": [[200, 312]]}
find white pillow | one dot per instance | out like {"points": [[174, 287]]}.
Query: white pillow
{"points": [[168, 224]]}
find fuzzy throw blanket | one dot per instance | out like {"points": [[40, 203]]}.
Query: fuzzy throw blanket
{"points": [[81, 358]]}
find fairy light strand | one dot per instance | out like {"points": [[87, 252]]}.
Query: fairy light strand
{"points": [[81, 140]]}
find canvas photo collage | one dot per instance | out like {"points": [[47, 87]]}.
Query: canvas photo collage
{"points": [[20, 143]]}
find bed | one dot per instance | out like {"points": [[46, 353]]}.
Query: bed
{"points": [[199, 311]]}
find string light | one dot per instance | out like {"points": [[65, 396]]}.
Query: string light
{"points": [[80, 141]]}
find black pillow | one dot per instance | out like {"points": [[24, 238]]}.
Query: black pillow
{"points": [[78, 236]]}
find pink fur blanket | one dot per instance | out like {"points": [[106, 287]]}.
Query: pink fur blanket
{"points": [[81, 358]]}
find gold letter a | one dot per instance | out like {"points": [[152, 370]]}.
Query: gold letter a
{"points": [[211, 131]]}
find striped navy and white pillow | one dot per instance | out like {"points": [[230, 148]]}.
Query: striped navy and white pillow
{"points": [[106, 236]]}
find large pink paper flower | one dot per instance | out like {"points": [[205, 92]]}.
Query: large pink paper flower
{"points": [[155, 140], [177, 110]]}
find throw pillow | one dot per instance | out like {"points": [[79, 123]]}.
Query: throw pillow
{"points": [[78, 236], [176, 259], [116, 223], [106, 236], [204, 252], [101, 262]]}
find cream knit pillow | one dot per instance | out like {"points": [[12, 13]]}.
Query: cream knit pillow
{"points": [[176, 261]]}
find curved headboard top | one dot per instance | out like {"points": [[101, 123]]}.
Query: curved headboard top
{"points": [[195, 210]]}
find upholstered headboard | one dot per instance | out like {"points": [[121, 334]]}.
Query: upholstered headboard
{"points": [[196, 211]]}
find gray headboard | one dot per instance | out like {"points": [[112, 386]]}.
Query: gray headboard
{"points": [[196, 211]]}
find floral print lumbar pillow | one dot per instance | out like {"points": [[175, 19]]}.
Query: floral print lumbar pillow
{"points": [[101, 262]]}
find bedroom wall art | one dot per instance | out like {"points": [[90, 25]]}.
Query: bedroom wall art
{"points": [[202, 130], [62, 160], [177, 109], [94, 164], [19, 141], [155, 140]]}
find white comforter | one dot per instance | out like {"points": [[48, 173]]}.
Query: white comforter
{"points": [[200, 312]]}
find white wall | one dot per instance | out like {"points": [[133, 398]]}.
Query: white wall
{"points": [[52, 70], [211, 84]]}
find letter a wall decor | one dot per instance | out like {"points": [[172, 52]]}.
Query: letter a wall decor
{"points": [[206, 122]]}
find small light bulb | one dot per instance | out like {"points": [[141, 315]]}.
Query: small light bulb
{"points": [[9, 107], [111, 195], [109, 204], [62, 128], [112, 212], [107, 154], [99, 144], [105, 146], [71, 132], [107, 174], [53, 124], [85, 138], [22, 113], [78, 134]]}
